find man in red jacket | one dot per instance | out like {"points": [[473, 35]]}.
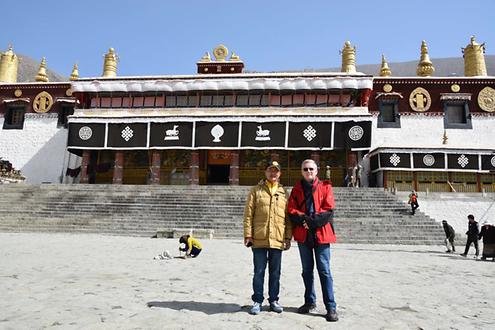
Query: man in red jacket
{"points": [[310, 208]]}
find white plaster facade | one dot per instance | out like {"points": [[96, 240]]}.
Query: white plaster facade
{"points": [[38, 150]]}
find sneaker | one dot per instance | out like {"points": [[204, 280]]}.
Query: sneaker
{"points": [[306, 308], [256, 309], [275, 307], [448, 251], [332, 316], [463, 255]]}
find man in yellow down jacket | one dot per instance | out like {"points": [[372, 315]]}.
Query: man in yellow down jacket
{"points": [[267, 229]]}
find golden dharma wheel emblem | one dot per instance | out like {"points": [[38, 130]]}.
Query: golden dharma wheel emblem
{"points": [[68, 92], [455, 88], [420, 100], [486, 99], [387, 88], [220, 53], [43, 102], [18, 93]]}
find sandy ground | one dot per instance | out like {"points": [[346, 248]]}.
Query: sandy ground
{"points": [[100, 282]]}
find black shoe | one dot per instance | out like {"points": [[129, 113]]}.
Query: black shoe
{"points": [[332, 316], [306, 308], [463, 255]]}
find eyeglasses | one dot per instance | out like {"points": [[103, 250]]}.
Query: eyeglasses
{"points": [[306, 169]]}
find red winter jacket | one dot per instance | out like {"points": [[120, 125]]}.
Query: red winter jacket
{"points": [[323, 199]]}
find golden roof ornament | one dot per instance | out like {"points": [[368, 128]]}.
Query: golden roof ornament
{"points": [[425, 66], [234, 57], [9, 63], [474, 59], [220, 53], [42, 76], [385, 70], [348, 58], [206, 57], [110, 64], [75, 73]]}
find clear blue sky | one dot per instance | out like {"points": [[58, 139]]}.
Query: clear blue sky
{"points": [[155, 37]]}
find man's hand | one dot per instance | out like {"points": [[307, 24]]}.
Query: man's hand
{"points": [[248, 241], [287, 244]]}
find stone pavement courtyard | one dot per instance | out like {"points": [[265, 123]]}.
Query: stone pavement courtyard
{"points": [[69, 281]]}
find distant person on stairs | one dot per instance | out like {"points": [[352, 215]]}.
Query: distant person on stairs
{"points": [[449, 236], [413, 200], [267, 230]]}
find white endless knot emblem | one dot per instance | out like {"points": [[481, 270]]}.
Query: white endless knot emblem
{"points": [[309, 133], [463, 161], [85, 133], [394, 159], [127, 133], [493, 161], [428, 160], [356, 133]]}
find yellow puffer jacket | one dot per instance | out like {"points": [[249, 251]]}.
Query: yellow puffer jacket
{"points": [[265, 217]]}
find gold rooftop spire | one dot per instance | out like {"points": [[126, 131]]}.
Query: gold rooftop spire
{"points": [[9, 62], [42, 76], [75, 73], [474, 59], [425, 67], [110, 64], [348, 58], [206, 57], [385, 70]]}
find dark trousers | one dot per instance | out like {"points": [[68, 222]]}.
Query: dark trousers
{"points": [[414, 206], [474, 240], [262, 257]]}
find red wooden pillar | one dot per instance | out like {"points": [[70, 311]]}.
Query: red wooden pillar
{"points": [[194, 168], [415, 181], [118, 167], [234, 168], [84, 167], [156, 161], [385, 181], [315, 155], [478, 182]]}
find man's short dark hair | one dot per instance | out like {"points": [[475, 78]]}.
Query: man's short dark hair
{"points": [[471, 216]]}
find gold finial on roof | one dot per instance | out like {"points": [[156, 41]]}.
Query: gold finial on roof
{"points": [[75, 73], [110, 64], [385, 70], [474, 59], [425, 66], [9, 63], [348, 58], [220, 53], [206, 57], [42, 76], [234, 57]]}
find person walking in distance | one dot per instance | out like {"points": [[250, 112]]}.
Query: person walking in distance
{"points": [[449, 236], [310, 208], [413, 200], [472, 236]]}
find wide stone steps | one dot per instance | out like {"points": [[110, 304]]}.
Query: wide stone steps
{"points": [[365, 215]]}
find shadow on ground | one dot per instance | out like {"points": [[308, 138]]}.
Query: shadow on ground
{"points": [[198, 306]]}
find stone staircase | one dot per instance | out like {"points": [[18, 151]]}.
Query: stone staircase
{"points": [[364, 215]]}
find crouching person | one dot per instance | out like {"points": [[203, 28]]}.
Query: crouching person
{"points": [[192, 247], [267, 231]]}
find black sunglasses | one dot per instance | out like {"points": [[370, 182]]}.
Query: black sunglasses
{"points": [[308, 169]]}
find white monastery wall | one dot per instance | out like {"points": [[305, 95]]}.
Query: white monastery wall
{"points": [[38, 150]]}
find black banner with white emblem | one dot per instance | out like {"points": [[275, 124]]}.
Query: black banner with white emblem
{"points": [[213, 134], [310, 135], [263, 135], [488, 162], [178, 134], [86, 135], [127, 135], [352, 135], [431, 160], [462, 161], [395, 159]]}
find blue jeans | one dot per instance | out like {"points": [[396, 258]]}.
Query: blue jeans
{"points": [[322, 255], [261, 257]]}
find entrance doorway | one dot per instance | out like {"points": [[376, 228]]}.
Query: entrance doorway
{"points": [[218, 174]]}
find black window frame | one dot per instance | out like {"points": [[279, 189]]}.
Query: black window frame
{"points": [[467, 115], [65, 110], [7, 123], [396, 115]]}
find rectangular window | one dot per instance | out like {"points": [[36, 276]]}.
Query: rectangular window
{"points": [[95, 102], [159, 101], [14, 117], [298, 100], [205, 100], [255, 100], [182, 101], [456, 115], [116, 102], [137, 101], [310, 99], [242, 100], [389, 114], [264, 100], [192, 101], [105, 102], [126, 102], [218, 100], [149, 101], [274, 100], [286, 100], [229, 100], [321, 100], [334, 100], [65, 111], [170, 101]]}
